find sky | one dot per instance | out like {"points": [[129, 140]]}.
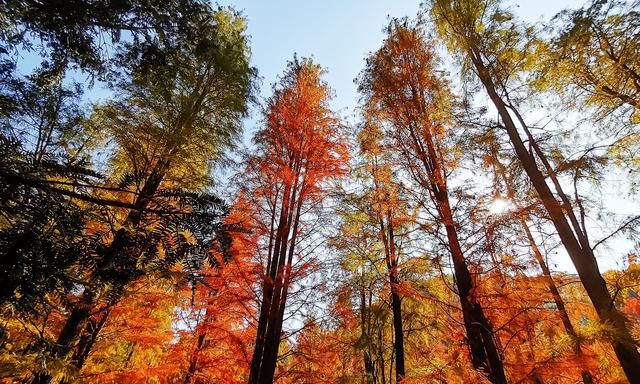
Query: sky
{"points": [[338, 34]]}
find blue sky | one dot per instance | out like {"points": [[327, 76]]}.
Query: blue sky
{"points": [[338, 34]]}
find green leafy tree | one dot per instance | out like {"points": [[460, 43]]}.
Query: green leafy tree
{"points": [[176, 116], [595, 57]]}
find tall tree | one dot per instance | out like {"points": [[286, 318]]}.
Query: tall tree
{"points": [[171, 124], [401, 84], [497, 50], [388, 213], [217, 343], [361, 258], [85, 33], [41, 229], [299, 150], [522, 217]]}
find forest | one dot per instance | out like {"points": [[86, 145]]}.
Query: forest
{"points": [[477, 222]]}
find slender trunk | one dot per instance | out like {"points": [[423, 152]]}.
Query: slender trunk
{"points": [[396, 303], [130, 349], [263, 359], [557, 299], [89, 338], [485, 356], [387, 236], [68, 335], [385, 220], [267, 291], [193, 363], [484, 353], [581, 255], [398, 336], [272, 339], [271, 351], [381, 355], [551, 285], [368, 364]]}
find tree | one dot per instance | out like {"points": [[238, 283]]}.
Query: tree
{"points": [[359, 305], [388, 214], [85, 33], [521, 215], [497, 51], [217, 343], [42, 138], [300, 149], [401, 84], [172, 123]]}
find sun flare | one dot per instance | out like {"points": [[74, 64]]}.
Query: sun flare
{"points": [[499, 205]]}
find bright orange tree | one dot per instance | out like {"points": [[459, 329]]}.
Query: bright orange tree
{"points": [[177, 333], [299, 150]]}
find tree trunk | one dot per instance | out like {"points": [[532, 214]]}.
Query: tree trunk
{"points": [[551, 285], [369, 369], [265, 354], [485, 356], [89, 338], [193, 363], [581, 256], [267, 290], [273, 346], [484, 353], [381, 355], [557, 299], [72, 329], [387, 236]]}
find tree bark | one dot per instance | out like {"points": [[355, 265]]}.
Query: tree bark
{"points": [[273, 346], [558, 300], [551, 284], [387, 236], [369, 369], [193, 363], [267, 291], [90, 335], [265, 354]]}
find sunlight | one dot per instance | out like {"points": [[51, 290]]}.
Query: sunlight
{"points": [[499, 205]]}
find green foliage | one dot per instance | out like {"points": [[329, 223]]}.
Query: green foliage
{"points": [[71, 234], [485, 31], [83, 32], [184, 102], [40, 230], [595, 57]]}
